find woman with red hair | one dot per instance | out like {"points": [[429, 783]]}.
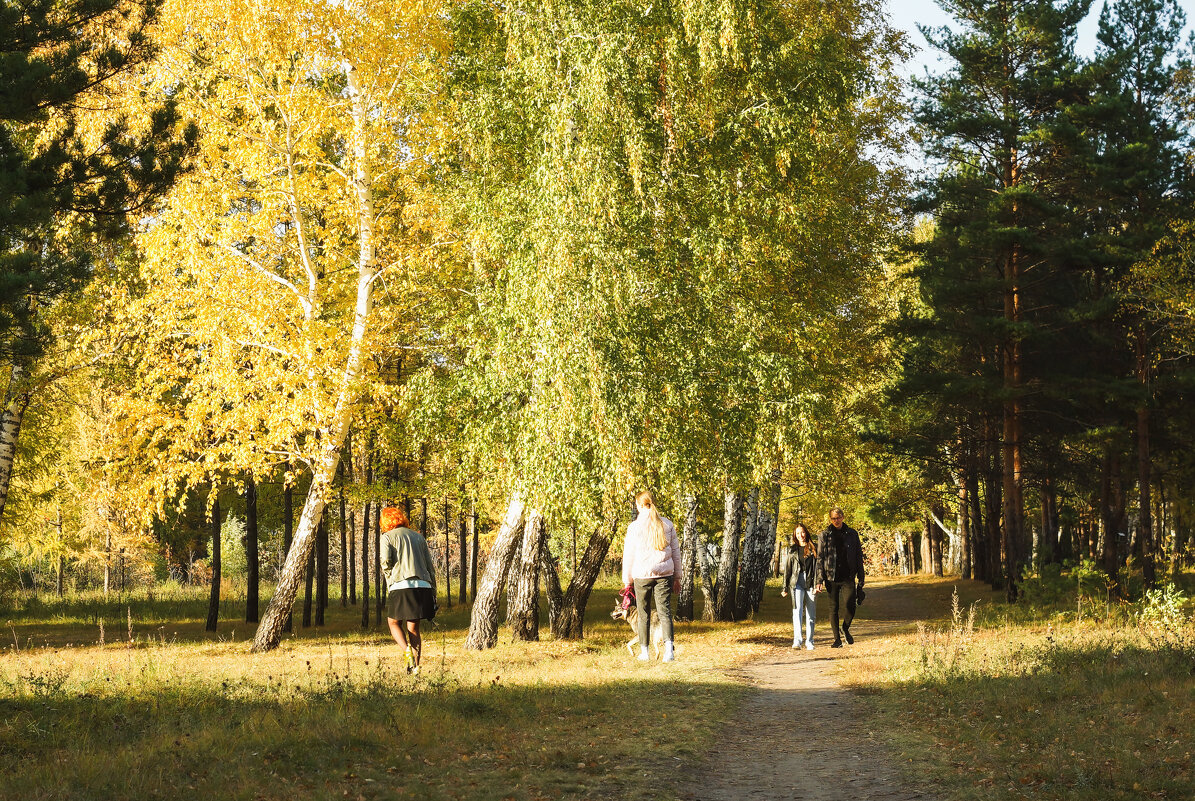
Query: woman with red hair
{"points": [[411, 580]]}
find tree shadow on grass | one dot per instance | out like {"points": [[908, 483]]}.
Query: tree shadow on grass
{"points": [[1084, 720], [384, 736]]}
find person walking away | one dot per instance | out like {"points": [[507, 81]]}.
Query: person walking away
{"points": [[841, 566], [800, 579], [651, 564], [411, 582]]}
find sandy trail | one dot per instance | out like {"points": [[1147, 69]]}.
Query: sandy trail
{"points": [[800, 734]]}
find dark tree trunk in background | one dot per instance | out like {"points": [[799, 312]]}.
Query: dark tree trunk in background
{"points": [[688, 572], [524, 604], [483, 625], [351, 567], [365, 513], [213, 605], [252, 562], [462, 542], [1112, 509], [550, 570], [473, 553], [346, 564], [963, 524], [321, 571], [935, 542], [447, 556], [1144, 466], [379, 581], [570, 623], [732, 521], [308, 581], [979, 557], [993, 491]]}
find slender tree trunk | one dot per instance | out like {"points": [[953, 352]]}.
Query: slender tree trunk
{"points": [[288, 529], [16, 401], [346, 564], [365, 598], [570, 623], [309, 580], [252, 561], [979, 558], [447, 557], [550, 571], [963, 524], [61, 558], [483, 625], [732, 522], [1110, 518], [1144, 466], [321, 571], [107, 555], [993, 494], [462, 542], [935, 543], [473, 553], [684, 599], [524, 604], [213, 605], [379, 581]]}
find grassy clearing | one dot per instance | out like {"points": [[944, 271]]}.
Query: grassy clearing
{"points": [[331, 713], [1070, 699]]}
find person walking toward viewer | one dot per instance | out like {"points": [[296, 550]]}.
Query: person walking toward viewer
{"points": [[840, 565], [651, 561], [800, 578], [411, 580]]}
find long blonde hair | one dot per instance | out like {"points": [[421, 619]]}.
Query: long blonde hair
{"points": [[656, 537]]}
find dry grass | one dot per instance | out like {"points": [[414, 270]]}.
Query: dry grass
{"points": [[333, 715], [1038, 702]]}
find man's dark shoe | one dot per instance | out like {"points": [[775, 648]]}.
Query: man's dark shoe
{"points": [[836, 644], [849, 639]]}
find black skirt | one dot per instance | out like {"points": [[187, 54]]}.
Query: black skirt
{"points": [[411, 603]]}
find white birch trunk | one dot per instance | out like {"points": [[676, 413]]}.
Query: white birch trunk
{"points": [[483, 626], [325, 464], [16, 400]]}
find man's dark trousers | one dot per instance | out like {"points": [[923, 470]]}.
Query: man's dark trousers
{"points": [[834, 589]]}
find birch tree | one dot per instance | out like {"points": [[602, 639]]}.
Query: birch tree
{"points": [[257, 319]]}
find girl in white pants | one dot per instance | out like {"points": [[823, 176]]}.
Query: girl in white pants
{"points": [[800, 570]]}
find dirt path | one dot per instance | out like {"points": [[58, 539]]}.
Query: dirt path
{"points": [[800, 735]]}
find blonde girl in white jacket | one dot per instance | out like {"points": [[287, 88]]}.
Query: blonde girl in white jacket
{"points": [[651, 563]]}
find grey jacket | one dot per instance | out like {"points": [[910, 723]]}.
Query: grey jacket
{"points": [[403, 554]]}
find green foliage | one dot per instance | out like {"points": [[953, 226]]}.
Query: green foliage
{"points": [[1165, 607]]}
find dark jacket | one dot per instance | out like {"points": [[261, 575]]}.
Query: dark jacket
{"points": [[800, 570], [827, 546]]}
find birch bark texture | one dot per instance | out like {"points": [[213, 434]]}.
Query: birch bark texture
{"points": [[483, 624]]}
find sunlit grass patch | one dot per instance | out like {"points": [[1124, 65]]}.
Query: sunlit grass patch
{"points": [[1031, 703], [332, 713]]}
